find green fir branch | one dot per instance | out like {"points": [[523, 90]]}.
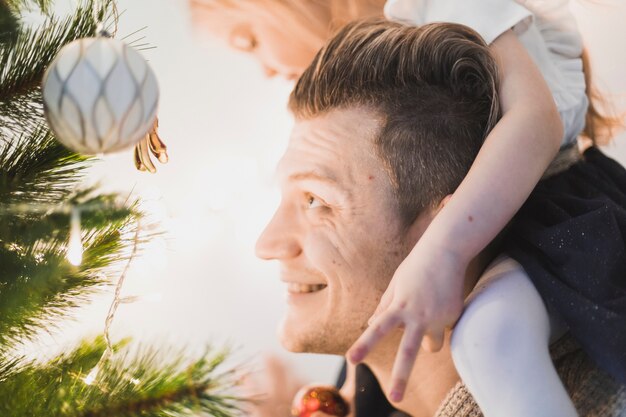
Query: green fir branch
{"points": [[43, 223], [20, 6], [24, 59], [24, 114], [9, 366], [36, 168], [38, 180], [39, 287], [39, 183], [132, 383], [8, 22]]}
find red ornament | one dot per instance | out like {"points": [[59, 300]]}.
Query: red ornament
{"points": [[322, 398]]}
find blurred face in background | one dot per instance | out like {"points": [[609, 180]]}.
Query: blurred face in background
{"points": [[284, 39]]}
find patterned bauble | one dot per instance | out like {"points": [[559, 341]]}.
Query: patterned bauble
{"points": [[100, 96], [326, 399]]}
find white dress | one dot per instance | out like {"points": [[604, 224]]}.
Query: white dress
{"points": [[546, 28]]}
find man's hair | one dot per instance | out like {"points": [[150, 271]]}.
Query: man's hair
{"points": [[435, 86]]}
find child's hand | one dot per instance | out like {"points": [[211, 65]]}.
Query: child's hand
{"points": [[424, 298]]}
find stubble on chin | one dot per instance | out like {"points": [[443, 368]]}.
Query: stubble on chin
{"points": [[331, 338], [335, 335]]}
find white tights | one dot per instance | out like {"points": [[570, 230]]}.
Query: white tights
{"points": [[500, 348]]}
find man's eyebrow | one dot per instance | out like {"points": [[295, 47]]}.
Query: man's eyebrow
{"points": [[322, 177], [313, 175]]}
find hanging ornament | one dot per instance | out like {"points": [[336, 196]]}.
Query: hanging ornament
{"points": [[326, 399], [75, 244], [153, 143], [100, 96]]}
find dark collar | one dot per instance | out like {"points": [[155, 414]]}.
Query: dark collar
{"points": [[369, 399]]}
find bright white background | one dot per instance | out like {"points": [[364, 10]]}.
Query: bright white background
{"points": [[225, 126]]}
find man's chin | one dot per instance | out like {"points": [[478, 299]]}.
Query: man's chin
{"points": [[308, 339], [291, 339]]}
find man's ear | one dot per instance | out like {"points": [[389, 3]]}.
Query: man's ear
{"points": [[419, 225], [443, 202]]}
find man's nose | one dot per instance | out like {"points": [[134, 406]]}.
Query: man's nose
{"points": [[278, 240]]}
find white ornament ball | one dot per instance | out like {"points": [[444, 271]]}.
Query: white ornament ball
{"points": [[100, 95]]}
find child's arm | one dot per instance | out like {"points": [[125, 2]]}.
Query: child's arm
{"points": [[510, 163], [425, 294]]}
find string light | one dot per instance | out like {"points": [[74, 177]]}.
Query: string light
{"points": [[75, 246], [91, 377], [154, 298]]}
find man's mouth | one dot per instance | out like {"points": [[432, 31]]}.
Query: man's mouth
{"points": [[295, 288]]}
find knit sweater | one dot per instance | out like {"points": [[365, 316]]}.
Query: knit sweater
{"points": [[594, 393]]}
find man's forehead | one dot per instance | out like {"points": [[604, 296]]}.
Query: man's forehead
{"points": [[293, 168], [330, 145]]}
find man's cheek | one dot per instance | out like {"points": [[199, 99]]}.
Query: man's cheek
{"points": [[323, 250]]}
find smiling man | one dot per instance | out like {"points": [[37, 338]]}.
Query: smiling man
{"points": [[380, 141], [339, 238], [358, 190], [336, 198]]}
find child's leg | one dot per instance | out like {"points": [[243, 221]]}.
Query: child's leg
{"points": [[500, 349]]}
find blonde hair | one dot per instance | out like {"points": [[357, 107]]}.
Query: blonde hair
{"points": [[313, 21], [600, 127], [316, 28], [345, 11]]}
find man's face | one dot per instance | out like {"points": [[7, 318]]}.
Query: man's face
{"points": [[337, 233]]}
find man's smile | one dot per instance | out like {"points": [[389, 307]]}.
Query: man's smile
{"points": [[296, 288]]}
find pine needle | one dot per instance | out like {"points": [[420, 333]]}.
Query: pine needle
{"points": [[135, 382], [20, 6], [24, 59], [8, 22], [40, 180]]}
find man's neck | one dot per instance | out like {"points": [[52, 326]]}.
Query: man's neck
{"points": [[432, 377], [434, 374]]}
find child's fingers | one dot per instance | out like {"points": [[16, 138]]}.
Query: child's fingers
{"points": [[433, 341], [405, 359], [372, 335]]}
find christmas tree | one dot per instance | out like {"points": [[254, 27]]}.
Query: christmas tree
{"points": [[41, 202]]}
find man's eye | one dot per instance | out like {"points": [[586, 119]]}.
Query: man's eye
{"points": [[314, 202]]}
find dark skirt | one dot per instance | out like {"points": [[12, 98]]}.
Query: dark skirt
{"points": [[570, 238], [369, 398]]}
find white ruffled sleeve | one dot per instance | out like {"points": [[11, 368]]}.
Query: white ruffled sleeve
{"points": [[562, 67], [490, 18]]}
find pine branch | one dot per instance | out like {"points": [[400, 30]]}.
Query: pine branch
{"points": [[9, 366], [24, 113], [39, 287], [37, 224], [35, 168], [128, 385], [19, 6], [24, 59], [8, 22]]}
